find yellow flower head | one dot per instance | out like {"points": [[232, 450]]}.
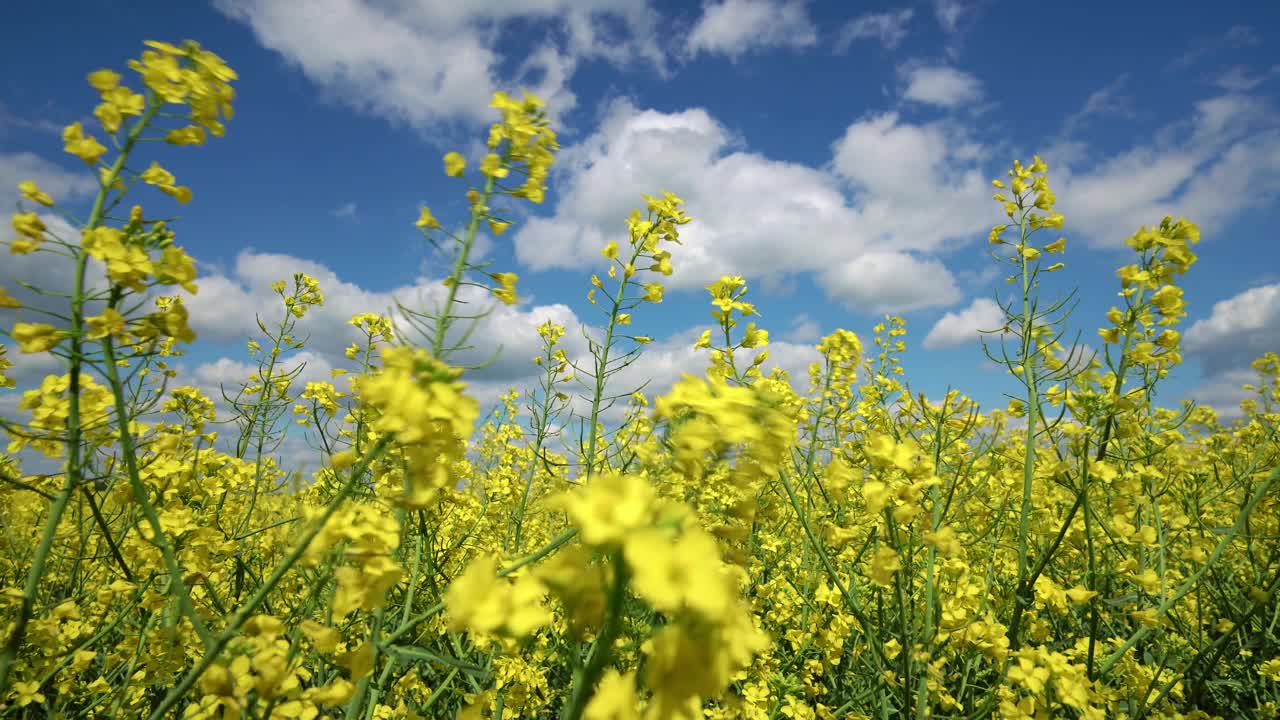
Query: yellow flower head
{"points": [[33, 193], [85, 147], [427, 220], [104, 80], [454, 164], [492, 166], [506, 292]]}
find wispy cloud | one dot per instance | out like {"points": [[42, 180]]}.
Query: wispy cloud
{"points": [[890, 28], [1111, 100], [955, 17], [1237, 36], [11, 121], [346, 211], [1240, 79]]}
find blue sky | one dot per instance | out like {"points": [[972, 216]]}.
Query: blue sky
{"points": [[837, 155]]}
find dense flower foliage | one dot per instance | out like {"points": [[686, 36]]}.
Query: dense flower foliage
{"points": [[745, 546]]}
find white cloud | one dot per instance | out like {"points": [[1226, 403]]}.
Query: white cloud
{"points": [[735, 27], [50, 273], [1222, 161], [955, 17], [757, 217], [8, 119], [30, 368], [1238, 329], [1109, 100], [878, 282], [230, 373], [226, 305], [43, 270], [939, 85], [949, 13], [804, 329], [964, 326], [892, 165], [890, 28], [1240, 79], [435, 62], [749, 212], [64, 185], [1224, 391]]}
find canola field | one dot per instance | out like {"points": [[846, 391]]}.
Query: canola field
{"points": [[748, 545]]}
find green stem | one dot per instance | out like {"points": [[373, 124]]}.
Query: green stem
{"points": [[129, 451]]}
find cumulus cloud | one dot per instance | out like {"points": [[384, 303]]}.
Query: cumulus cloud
{"points": [[965, 326], [228, 373], [50, 273], [432, 63], [940, 85], [61, 183], [1225, 159], [1224, 391], [1238, 330], [803, 329], [735, 27], [880, 282], [748, 210], [30, 368], [763, 218], [225, 308], [889, 28]]}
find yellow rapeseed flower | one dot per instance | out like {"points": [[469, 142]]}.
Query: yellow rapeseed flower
{"points": [[33, 193], [454, 164], [85, 147], [506, 292], [427, 220], [36, 337]]}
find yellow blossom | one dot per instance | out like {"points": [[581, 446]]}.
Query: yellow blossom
{"points": [[427, 220], [491, 166], [36, 337], [109, 324], [506, 292], [33, 193], [85, 147], [454, 164]]}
